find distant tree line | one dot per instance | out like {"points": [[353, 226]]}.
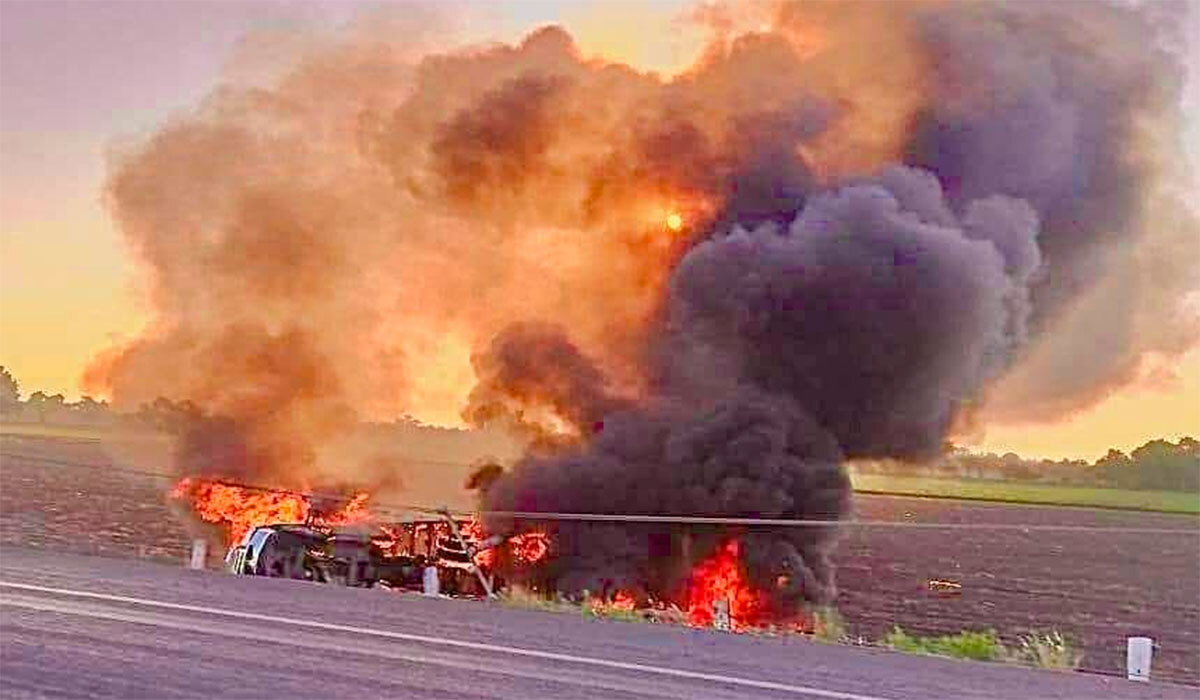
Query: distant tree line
{"points": [[160, 415], [415, 439], [1156, 465], [53, 409]]}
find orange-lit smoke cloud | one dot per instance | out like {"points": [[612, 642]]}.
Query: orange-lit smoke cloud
{"points": [[335, 244]]}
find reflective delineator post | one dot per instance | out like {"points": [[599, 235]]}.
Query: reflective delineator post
{"points": [[430, 579], [721, 619], [1137, 658], [199, 554]]}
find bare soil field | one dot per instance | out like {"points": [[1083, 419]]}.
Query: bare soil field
{"points": [[47, 501], [1096, 587]]}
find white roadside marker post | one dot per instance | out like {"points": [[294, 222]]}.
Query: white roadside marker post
{"points": [[199, 554], [430, 581], [1137, 658], [721, 619]]}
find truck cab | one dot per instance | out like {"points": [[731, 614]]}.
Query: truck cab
{"points": [[300, 552]]}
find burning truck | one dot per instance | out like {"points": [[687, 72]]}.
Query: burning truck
{"points": [[286, 534], [281, 534], [396, 555]]}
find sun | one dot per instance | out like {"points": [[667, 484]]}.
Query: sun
{"points": [[674, 221]]}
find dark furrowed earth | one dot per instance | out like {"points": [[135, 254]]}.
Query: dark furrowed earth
{"points": [[1098, 588]]}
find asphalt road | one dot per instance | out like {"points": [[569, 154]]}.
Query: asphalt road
{"points": [[82, 626]]}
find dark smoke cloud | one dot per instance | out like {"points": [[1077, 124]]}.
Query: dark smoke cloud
{"points": [[747, 454], [861, 316], [855, 331], [1073, 107], [530, 365], [872, 316]]}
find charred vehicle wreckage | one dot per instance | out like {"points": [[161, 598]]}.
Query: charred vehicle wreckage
{"points": [[401, 555]]}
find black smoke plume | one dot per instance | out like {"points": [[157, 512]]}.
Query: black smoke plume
{"points": [[858, 317], [856, 330]]}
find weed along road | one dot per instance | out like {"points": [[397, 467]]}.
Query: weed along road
{"points": [[78, 625]]}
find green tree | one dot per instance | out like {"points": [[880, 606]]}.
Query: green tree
{"points": [[39, 403], [1156, 465], [10, 391], [1114, 469], [1167, 466], [91, 412]]}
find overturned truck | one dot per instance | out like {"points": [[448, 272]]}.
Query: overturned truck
{"points": [[397, 555]]}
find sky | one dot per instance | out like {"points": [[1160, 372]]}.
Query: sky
{"points": [[78, 80]]}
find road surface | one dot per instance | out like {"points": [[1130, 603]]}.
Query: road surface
{"points": [[83, 626]]}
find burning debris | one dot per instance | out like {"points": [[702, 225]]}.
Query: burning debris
{"points": [[762, 457], [945, 588], [398, 555], [837, 236], [720, 580], [519, 550], [239, 509]]}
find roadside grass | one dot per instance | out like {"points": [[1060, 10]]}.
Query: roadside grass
{"points": [[670, 615], [525, 599], [1038, 494], [608, 611], [828, 626], [1049, 650], [977, 646]]}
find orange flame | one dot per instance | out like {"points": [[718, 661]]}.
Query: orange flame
{"points": [[720, 577], [623, 600], [473, 529], [355, 511], [526, 548], [530, 547], [241, 509]]}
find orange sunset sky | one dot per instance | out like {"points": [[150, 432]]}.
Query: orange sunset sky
{"points": [[78, 80]]}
